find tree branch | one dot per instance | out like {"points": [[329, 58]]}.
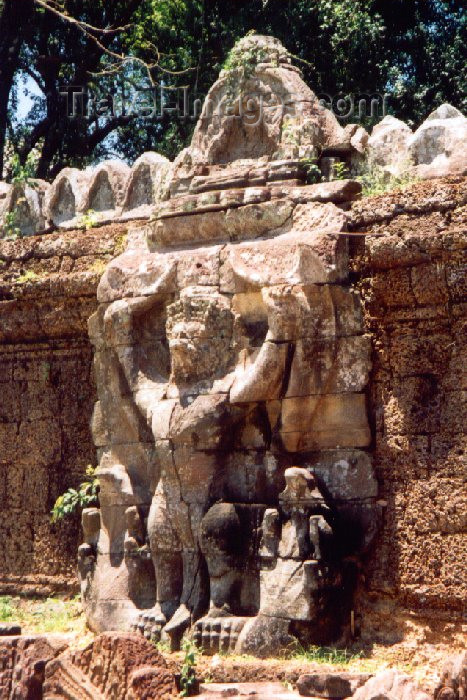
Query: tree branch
{"points": [[37, 79], [53, 7], [88, 29], [99, 134]]}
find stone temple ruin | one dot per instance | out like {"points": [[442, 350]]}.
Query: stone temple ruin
{"points": [[249, 391], [237, 490]]}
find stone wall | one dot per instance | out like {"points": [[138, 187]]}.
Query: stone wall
{"points": [[47, 293], [412, 271], [229, 339], [411, 276]]}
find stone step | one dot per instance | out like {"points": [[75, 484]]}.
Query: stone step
{"points": [[334, 685], [10, 630], [256, 691]]}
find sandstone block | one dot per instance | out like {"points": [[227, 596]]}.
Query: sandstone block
{"points": [[262, 379], [320, 367], [388, 145], [443, 133], [266, 636], [318, 217], [136, 274], [249, 221], [390, 684], [145, 185], [66, 197], [347, 474], [285, 260], [106, 189], [331, 685], [336, 191], [126, 666], [324, 422], [27, 202]]}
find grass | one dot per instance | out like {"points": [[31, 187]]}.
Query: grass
{"points": [[162, 647], [326, 655], [7, 611], [39, 615]]}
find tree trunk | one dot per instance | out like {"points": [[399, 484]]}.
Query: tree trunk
{"points": [[15, 18]]}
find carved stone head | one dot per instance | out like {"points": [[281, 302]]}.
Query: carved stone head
{"points": [[199, 332]]}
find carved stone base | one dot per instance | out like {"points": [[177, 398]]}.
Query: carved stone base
{"points": [[150, 625], [218, 634]]}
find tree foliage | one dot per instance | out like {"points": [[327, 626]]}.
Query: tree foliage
{"points": [[413, 50]]}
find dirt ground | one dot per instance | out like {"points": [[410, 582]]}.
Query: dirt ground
{"points": [[426, 644]]}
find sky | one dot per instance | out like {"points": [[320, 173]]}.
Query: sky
{"points": [[24, 100]]}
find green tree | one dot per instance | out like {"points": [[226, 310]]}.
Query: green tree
{"points": [[412, 50]]}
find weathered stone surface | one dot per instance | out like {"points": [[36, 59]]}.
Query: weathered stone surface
{"points": [[24, 203], [265, 636], [65, 200], [331, 685], [443, 133], [145, 185], [320, 217], [48, 392], [453, 682], [265, 691], [261, 380], [250, 221], [388, 145], [113, 665], [421, 199], [390, 684], [23, 663], [136, 274], [106, 190], [294, 122], [337, 191], [288, 259], [320, 367], [324, 422], [418, 339], [347, 474], [435, 149], [441, 166]]}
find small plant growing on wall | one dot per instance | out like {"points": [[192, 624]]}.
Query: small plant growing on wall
{"points": [[312, 170], [28, 276], [188, 669], [10, 225], [240, 65], [86, 495], [340, 171], [88, 220]]}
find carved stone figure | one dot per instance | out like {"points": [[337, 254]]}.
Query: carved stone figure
{"points": [[231, 365], [21, 208]]}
